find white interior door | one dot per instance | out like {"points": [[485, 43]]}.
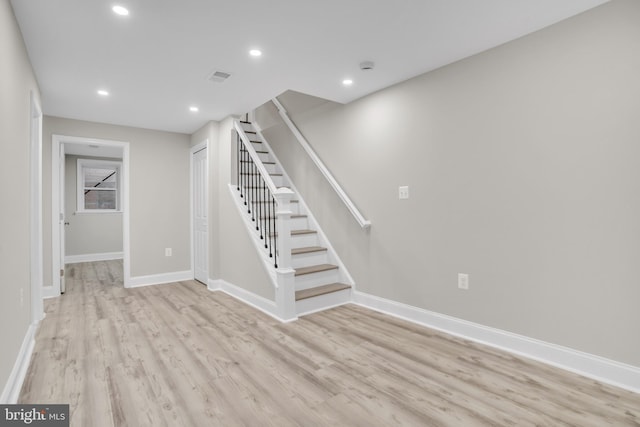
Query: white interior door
{"points": [[62, 217], [199, 209]]}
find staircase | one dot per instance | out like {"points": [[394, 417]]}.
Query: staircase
{"points": [[320, 279]]}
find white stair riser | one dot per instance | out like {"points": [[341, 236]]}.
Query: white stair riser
{"points": [[309, 259], [278, 181], [299, 223], [296, 223], [271, 168], [321, 302], [312, 280], [295, 208], [259, 194], [248, 168], [265, 157], [302, 240]]}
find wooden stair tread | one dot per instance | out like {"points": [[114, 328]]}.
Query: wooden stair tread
{"points": [[320, 290], [296, 232], [249, 161], [266, 201], [315, 269], [299, 232], [253, 186], [307, 250], [292, 216], [251, 173]]}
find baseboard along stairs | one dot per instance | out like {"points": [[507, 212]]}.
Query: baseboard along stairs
{"points": [[306, 271]]}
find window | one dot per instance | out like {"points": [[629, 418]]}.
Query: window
{"points": [[98, 186]]}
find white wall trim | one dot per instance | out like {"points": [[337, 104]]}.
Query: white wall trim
{"points": [[589, 365], [50, 292], [35, 189], [159, 279], [265, 305], [11, 390], [105, 256]]}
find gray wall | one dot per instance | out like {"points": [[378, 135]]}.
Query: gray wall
{"points": [[233, 257], [88, 233], [523, 170], [159, 193], [17, 80]]}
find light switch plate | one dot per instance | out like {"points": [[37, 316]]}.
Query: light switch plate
{"points": [[403, 192], [463, 281]]}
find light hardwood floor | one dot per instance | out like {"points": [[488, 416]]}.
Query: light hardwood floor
{"points": [[179, 355]]}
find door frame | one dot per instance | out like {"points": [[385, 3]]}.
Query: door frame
{"points": [[36, 255], [198, 147], [56, 204]]}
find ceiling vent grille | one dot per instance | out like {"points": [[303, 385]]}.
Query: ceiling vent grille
{"points": [[219, 76]]}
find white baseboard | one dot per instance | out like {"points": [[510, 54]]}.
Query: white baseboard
{"points": [[50, 292], [589, 365], [256, 301], [158, 279], [106, 256], [11, 390]]}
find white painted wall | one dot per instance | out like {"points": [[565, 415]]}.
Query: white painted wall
{"points": [[88, 233], [17, 81], [159, 193], [522, 164]]}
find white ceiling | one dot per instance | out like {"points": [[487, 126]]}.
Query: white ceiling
{"points": [[156, 61]]}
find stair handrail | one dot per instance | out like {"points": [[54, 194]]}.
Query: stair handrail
{"points": [[254, 155], [364, 223]]}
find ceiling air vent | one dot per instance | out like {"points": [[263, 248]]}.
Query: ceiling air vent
{"points": [[219, 76]]}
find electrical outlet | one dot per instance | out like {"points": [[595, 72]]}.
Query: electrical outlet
{"points": [[403, 192], [463, 281], [168, 252]]}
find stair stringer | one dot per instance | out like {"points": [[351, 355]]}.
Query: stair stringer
{"points": [[332, 255]]}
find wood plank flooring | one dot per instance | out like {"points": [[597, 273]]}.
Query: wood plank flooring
{"points": [[179, 355]]}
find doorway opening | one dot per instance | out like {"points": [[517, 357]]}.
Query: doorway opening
{"points": [[90, 205]]}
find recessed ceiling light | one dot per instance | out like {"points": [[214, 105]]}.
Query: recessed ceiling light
{"points": [[103, 92], [194, 109], [347, 82], [120, 10], [255, 52]]}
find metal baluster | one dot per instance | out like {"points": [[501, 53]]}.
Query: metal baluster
{"points": [[238, 142], [260, 211], [254, 181], [247, 188], [271, 228], [244, 173], [267, 219], [275, 242]]}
